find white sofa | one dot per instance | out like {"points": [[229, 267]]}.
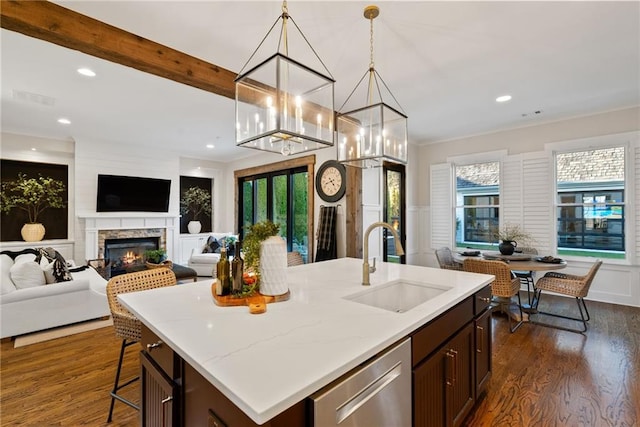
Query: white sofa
{"points": [[204, 263], [28, 308]]}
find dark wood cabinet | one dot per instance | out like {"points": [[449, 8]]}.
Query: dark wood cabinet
{"points": [[161, 379], [444, 383], [447, 381], [160, 395], [483, 350]]}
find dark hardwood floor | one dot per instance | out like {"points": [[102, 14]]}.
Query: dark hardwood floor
{"points": [[541, 376]]}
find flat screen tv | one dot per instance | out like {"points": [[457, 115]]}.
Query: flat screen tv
{"points": [[132, 194]]}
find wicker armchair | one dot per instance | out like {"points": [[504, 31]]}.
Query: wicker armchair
{"points": [[294, 258], [505, 286], [570, 285], [445, 259], [126, 325]]}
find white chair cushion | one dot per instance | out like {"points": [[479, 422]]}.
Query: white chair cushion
{"points": [[5, 276], [27, 275]]}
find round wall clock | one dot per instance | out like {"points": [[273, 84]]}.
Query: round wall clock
{"points": [[331, 181]]}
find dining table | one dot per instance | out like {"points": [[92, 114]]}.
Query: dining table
{"points": [[519, 262]]}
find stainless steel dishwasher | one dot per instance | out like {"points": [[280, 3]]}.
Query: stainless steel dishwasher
{"points": [[375, 394]]}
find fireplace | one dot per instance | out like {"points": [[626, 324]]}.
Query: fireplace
{"points": [[128, 252]]}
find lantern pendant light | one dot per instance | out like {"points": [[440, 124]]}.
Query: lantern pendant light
{"points": [[283, 105], [369, 135]]}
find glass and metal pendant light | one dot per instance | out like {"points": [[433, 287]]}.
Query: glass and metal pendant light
{"points": [[283, 105], [370, 134]]}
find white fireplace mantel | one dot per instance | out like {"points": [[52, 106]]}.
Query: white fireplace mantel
{"points": [[94, 222]]}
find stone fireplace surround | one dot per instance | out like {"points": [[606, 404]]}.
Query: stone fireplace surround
{"points": [[98, 227]]}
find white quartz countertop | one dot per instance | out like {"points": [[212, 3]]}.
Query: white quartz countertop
{"points": [[266, 363]]}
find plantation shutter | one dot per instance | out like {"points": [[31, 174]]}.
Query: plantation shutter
{"points": [[538, 189], [511, 195], [442, 215]]}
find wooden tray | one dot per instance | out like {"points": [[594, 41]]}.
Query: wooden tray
{"points": [[229, 301]]}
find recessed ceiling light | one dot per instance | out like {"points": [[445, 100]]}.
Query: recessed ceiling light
{"points": [[503, 98], [211, 146], [64, 121], [33, 149], [86, 72]]}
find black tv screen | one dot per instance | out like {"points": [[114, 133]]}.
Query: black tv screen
{"points": [[132, 194]]}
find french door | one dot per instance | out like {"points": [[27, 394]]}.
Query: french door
{"points": [[394, 183]]}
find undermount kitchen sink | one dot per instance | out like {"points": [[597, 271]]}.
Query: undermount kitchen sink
{"points": [[398, 296]]}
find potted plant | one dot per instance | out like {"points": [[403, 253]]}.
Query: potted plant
{"points": [[157, 258], [509, 236], [32, 195], [195, 201]]}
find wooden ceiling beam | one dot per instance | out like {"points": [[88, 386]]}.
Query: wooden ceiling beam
{"points": [[53, 23]]}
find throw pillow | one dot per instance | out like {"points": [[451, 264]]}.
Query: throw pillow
{"points": [[27, 275], [48, 273], [59, 268], [5, 274], [212, 246]]}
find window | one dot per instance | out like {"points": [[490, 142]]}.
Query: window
{"points": [[590, 202], [477, 203], [280, 196]]}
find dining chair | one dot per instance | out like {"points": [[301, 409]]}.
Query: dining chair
{"points": [[504, 287], [527, 278], [446, 261], [125, 324], [570, 285]]}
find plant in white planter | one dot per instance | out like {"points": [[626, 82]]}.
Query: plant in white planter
{"points": [[32, 195], [195, 201]]}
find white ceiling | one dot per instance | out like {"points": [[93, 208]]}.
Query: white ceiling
{"points": [[445, 62]]}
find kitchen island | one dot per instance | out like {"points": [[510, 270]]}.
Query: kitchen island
{"points": [[265, 364]]}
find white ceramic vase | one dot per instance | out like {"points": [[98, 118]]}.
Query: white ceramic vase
{"points": [[194, 227], [273, 266], [32, 232]]}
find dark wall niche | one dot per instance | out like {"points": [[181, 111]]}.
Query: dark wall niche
{"points": [[187, 182], [55, 221]]}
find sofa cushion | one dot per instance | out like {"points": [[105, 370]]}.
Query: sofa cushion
{"points": [[204, 258], [5, 276], [57, 267], [27, 275], [212, 246]]}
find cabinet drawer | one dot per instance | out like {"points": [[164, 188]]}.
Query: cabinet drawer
{"points": [[432, 335], [481, 300], [160, 352]]}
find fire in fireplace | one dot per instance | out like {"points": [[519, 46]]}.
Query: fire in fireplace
{"points": [[127, 252]]}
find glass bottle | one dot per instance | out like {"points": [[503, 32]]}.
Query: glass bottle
{"points": [[237, 268], [223, 279]]}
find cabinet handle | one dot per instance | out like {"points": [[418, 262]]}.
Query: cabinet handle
{"points": [[154, 345], [451, 380], [480, 330], [485, 299], [164, 402]]}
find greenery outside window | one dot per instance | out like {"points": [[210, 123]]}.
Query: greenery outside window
{"points": [[591, 203], [282, 197]]}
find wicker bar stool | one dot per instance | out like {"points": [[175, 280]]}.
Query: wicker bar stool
{"points": [[504, 286], [126, 325], [445, 259], [570, 285], [294, 258]]}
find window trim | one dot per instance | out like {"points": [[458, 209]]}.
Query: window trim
{"points": [[298, 162]]}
